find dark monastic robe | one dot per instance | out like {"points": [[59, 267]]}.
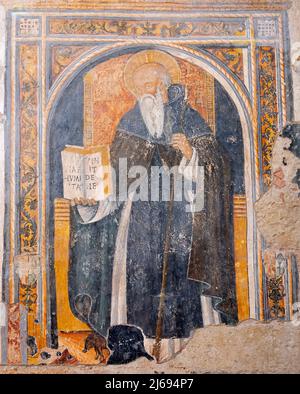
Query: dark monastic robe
{"points": [[200, 254]]}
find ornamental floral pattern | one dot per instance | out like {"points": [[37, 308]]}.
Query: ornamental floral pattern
{"points": [[28, 125], [232, 57], [146, 28], [62, 56], [269, 109]]}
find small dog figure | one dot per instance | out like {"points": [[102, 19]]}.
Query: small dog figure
{"points": [[98, 343], [127, 344]]}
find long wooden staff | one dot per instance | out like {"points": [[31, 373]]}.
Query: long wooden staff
{"points": [[162, 297]]}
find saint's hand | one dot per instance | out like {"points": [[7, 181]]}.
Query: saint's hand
{"points": [[83, 201], [179, 141]]}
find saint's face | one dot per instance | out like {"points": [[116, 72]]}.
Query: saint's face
{"points": [[148, 79], [146, 82]]}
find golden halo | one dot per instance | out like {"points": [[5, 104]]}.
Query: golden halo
{"points": [[150, 56]]}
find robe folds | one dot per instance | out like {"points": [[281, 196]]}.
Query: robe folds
{"points": [[200, 254]]}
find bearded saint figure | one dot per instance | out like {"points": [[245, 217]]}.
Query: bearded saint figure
{"points": [[118, 247]]}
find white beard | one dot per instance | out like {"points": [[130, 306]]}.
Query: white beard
{"points": [[152, 109]]}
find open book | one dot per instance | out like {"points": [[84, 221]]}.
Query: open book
{"points": [[86, 172]]}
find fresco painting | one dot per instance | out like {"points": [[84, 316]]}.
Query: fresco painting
{"points": [[139, 159]]}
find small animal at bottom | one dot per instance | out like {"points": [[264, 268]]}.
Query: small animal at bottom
{"points": [[98, 343], [127, 344]]}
